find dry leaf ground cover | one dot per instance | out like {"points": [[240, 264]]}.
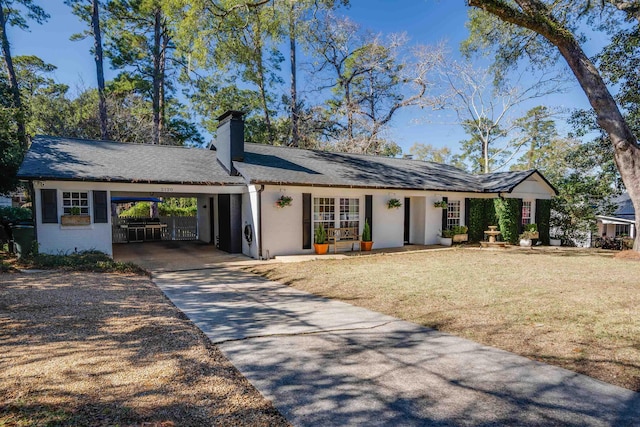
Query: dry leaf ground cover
{"points": [[106, 349], [577, 309]]}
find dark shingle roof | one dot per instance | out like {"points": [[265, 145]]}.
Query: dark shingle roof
{"points": [[280, 165], [624, 207], [80, 159]]}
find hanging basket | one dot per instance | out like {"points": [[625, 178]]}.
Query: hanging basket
{"points": [[284, 201]]}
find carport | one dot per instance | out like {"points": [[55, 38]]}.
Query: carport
{"points": [[176, 256]]}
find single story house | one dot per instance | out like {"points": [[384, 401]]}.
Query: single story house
{"points": [[238, 186], [622, 223]]}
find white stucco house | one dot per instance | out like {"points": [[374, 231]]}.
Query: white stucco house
{"points": [[237, 185]]}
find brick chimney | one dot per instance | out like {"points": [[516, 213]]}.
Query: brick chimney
{"points": [[230, 140]]}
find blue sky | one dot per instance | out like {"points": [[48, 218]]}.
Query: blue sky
{"points": [[425, 21]]}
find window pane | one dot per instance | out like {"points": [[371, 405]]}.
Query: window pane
{"points": [[453, 213], [526, 212], [350, 213]]}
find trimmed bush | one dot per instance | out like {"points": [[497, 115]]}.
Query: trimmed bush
{"points": [[482, 214], [543, 215], [508, 212]]}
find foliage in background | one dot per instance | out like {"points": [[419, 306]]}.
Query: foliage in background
{"points": [[10, 145], [169, 207], [507, 212], [15, 214]]}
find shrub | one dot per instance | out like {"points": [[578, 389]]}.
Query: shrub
{"points": [[15, 214], [508, 212], [95, 261], [366, 231], [320, 235]]}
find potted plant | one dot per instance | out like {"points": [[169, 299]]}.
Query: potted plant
{"points": [[555, 240], [533, 229], [320, 240], [526, 237], [393, 204], [441, 204], [74, 217], [366, 243], [460, 233], [284, 201], [446, 237]]}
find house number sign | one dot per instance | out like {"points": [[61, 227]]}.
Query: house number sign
{"points": [[166, 189]]}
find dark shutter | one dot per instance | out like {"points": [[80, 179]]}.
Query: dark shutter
{"points": [[368, 212], [444, 214], [306, 220], [49, 199], [100, 207], [467, 210]]}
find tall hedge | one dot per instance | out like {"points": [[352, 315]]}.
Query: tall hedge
{"points": [[508, 212], [543, 215], [482, 214]]}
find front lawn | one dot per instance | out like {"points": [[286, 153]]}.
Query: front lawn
{"points": [[578, 309]]}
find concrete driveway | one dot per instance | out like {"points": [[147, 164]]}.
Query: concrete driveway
{"points": [[324, 363]]}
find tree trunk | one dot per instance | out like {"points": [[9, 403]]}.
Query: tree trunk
{"points": [[163, 69], [157, 35], [294, 90], [13, 80], [535, 16], [97, 44]]}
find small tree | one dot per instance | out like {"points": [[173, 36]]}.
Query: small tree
{"points": [[366, 231]]}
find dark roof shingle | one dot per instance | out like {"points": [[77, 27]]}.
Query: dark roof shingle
{"points": [[79, 159]]}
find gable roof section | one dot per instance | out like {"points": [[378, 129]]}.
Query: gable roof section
{"points": [[86, 160], [56, 158], [505, 182], [624, 207]]}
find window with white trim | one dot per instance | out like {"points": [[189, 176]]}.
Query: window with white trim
{"points": [[623, 230], [75, 199], [453, 213], [526, 212], [324, 211]]}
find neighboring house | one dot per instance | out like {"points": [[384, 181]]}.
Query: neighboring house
{"points": [[237, 185], [5, 202], [621, 223]]}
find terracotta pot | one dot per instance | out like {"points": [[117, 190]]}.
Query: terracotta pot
{"points": [[366, 246], [75, 220], [321, 248]]}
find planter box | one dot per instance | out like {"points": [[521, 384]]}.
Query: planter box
{"points": [[446, 241], [458, 238], [75, 220]]}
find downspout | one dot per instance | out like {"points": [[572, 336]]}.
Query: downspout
{"points": [[260, 221]]}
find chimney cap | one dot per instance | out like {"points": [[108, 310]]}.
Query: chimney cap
{"points": [[233, 113]]}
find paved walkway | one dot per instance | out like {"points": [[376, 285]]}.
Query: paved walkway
{"points": [[324, 363]]}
